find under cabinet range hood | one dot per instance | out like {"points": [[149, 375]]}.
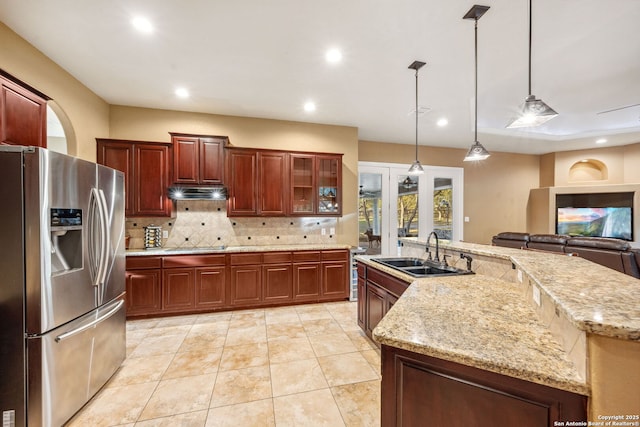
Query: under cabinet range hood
{"points": [[198, 193]]}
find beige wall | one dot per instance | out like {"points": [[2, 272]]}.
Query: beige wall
{"points": [[154, 125], [496, 190], [621, 173], [614, 370], [631, 163], [547, 172], [621, 165], [82, 113]]}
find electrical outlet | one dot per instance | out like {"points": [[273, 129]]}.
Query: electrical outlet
{"points": [[332, 231], [536, 295], [466, 219], [165, 234], [323, 231]]}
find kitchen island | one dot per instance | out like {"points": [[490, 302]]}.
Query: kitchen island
{"points": [[484, 340]]}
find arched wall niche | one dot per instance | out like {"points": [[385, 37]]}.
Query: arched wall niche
{"points": [[588, 170], [64, 138]]}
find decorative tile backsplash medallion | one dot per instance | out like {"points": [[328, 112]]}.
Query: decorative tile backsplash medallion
{"points": [[202, 223]]}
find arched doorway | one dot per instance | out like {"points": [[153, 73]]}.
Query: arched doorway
{"points": [[60, 135]]}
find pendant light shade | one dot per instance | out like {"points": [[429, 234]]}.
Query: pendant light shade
{"points": [[416, 167], [477, 151], [533, 112]]}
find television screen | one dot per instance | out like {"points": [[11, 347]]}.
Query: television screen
{"points": [[596, 222]]}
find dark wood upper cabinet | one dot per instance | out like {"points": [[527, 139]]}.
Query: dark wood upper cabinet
{"points": [[23, 115], [303, 180], [316, 184], [257, 182], [147, 173], [279, 183], [119, 155], [329, 183], [242, 182], [273, 188], [198, 159]]}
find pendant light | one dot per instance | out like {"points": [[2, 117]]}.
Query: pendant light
{"points": [[477, 151], [533, 112], [416, 167]]}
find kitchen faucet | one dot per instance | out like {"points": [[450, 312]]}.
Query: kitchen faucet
{"points": [[468, 258], [433, 233]]}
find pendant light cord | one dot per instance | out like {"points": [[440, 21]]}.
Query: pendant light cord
{"points": [[416, 115], [530, 14], [475, 122]]}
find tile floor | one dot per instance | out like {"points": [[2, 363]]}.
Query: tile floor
{"points": [[306, 365]]}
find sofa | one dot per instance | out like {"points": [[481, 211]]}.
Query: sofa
{"points": [[613, 253]]}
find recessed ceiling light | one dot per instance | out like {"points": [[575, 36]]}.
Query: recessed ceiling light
{"points": [[182, 92], [442, 122], [333, 56], [142, 24], [601, 141], [309, 106]]}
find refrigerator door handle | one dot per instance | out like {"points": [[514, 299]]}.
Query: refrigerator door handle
{"points": [[100, 243], [106, 243], [79, 329], [94, 235]]}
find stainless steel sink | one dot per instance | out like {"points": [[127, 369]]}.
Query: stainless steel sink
{"points": [[418, 267], [401, 262]]}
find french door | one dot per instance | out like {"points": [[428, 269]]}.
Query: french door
{"points": [[393, 204]]}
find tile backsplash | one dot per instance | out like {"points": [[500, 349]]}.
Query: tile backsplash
{"points": [[201, 223]]}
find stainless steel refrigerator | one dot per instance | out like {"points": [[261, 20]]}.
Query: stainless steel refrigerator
{"points": [[62, 283]]}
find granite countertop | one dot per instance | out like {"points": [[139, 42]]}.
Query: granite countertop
{"points": [[232, 249], [477, 321], [596, 299], [485, 322]]}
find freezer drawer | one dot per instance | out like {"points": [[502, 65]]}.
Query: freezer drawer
{"points": [[68, 365]]}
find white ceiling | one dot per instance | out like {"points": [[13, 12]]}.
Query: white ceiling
{"points": [[264, 59]]}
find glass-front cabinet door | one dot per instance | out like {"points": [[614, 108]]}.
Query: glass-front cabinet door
{"points": [[303, 193], [328, 180]]}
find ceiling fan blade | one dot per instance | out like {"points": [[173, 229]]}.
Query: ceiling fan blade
{"points": [[619, 108]]}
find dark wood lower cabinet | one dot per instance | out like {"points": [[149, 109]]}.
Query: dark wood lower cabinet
{"points": [[278, 282], [419, 390], [246, 285], [333, 278], [361, 307], [143, 291], [210, 287], [178, 289], [306, 276], [198, 283], [376, 303], [306, 281], [335, 273], [377, 292], [143, 279]]}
